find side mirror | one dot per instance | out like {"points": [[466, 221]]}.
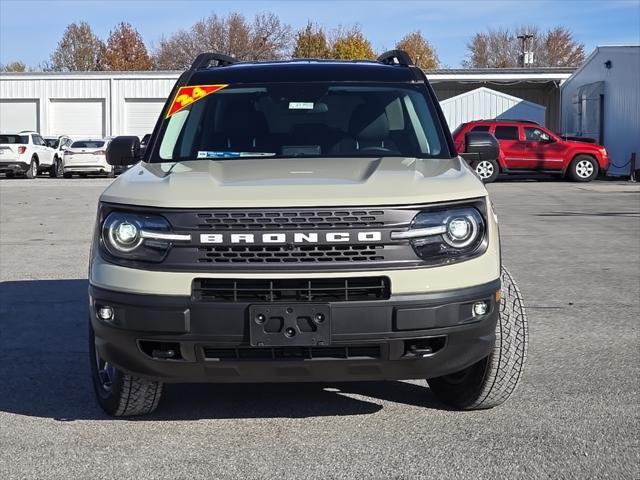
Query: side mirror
{"points": [[123, 151], [480, 146]]}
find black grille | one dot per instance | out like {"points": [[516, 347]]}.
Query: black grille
{"points": [[291, 290], [286, 254], [290, 219], [258, 255], [292, 353]]}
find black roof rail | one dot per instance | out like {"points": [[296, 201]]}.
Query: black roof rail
{"points": [[395, 57], [204, 60]]}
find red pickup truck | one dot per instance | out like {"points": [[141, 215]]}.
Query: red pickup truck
{"points": [[528, 147]]}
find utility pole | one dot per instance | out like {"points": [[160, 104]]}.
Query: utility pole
{"points": [[526, 55]]}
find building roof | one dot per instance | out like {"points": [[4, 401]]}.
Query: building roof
{"points": [[534, 74], [368, 68]]}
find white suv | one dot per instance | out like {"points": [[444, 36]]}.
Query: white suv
{"points": [[87, 156], [24, 153]]}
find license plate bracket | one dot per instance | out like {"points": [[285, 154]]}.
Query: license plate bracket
{"points": [[289, 325]]}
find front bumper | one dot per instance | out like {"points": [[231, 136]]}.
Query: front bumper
{"points": [[405, 337]]}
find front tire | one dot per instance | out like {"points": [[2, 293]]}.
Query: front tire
{"points": [[583, 168], [492, 380], [487, 170], [120, 394]]}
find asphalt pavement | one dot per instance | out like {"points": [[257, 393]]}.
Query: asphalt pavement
{"points": [[574, 249]]}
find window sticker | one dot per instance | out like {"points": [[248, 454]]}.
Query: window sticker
{"points": [[224, 154], [300, 105], [190, 94]]}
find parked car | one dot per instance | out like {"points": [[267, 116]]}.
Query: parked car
{"points": [[322, 230], [87, 156], [526, 146], [59, 145], [24, 153]]}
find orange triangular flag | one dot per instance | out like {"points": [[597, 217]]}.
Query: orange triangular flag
{"points": [[190, 94]]}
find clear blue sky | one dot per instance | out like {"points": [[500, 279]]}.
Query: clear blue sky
{"points": [[30, 29]]}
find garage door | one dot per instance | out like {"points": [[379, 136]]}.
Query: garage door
{"points": [[141, 115], [77, 118], [18, 115]]}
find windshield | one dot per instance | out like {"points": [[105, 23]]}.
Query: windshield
{"points": [[51, 142], [87, 144], [14, 139], [304, 120]]}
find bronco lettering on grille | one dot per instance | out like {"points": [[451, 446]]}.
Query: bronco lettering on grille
{"points": [[281, 238]]}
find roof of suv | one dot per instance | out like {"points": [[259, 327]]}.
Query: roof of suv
{"points": [[305, 71], [494, 120]]}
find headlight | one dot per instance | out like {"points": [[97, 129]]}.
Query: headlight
{"points": [[446, 235], [138, 236]]}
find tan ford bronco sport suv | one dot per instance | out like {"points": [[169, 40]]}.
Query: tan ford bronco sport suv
{"points": [[300, 221]]}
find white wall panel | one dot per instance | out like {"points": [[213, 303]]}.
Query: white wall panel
{"points": [[141, 115], [127, 90], [111, 90], [77, 118], [18, 115]]}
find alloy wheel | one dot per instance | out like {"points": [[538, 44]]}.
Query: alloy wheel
{"points": [[484, 169], [584, 169]]}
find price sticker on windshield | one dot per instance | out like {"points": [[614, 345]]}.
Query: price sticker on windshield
{"points": [[191, 94], [300, 105]]}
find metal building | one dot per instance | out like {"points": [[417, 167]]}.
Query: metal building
{"points": [[483, 103], [601, 100], [539, 85], [83, 104]]}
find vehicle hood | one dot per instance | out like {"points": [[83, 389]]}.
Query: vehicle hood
{"points": [[295, 182], [583, 145]]}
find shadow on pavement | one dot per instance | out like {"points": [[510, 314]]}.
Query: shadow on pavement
{"points": [[44, 371]]}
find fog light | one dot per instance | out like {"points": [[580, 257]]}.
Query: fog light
{"points": [[480, 308], [105, 313]]}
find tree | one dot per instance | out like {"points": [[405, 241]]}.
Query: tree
{"points": [[13, 67], [351, 45], [78, 50], [311, 42], [271, 39], [420, 50], [176, 52], [263, 39], [560, 49], [502, 48], [125, 50]]}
